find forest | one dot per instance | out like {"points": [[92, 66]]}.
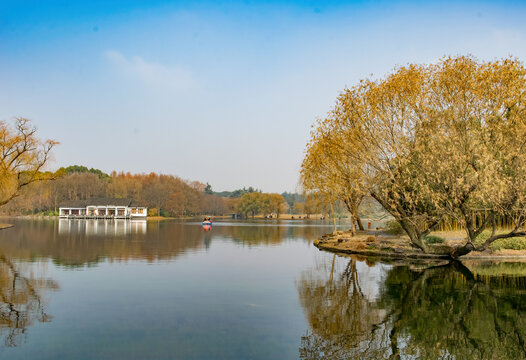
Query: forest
{"points": [[164, 195]]}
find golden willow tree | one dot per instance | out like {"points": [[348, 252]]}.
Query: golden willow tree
{"points": [[329, 173], [261, 203], [435, 142], [22, 157]]}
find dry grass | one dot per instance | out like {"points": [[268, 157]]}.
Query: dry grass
{"points": [[360, 246]]}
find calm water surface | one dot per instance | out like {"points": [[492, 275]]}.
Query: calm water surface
{"points": [[170, 290]]}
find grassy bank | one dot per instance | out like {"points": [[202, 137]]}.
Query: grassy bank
{"points": [[383, 244]]}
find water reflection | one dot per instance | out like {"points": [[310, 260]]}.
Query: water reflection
{"points": [[22, 299], [339, 310], [267, 235], [27, 249], [443, 311], [117, 227], [236, 296], [79, 243]]}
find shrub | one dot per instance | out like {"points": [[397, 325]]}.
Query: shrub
{"points": [[153, 212], [370, 239], [393, 227], [359, 246], [432, 239], [515, 243]]}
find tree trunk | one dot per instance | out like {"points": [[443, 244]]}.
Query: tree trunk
{"points": [[349, 205], [353, 226], [359, 222], [333, 216], [414, 235], [462, 250], [352, 207]]}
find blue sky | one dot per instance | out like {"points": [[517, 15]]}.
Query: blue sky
{"points": [[220, 92]]}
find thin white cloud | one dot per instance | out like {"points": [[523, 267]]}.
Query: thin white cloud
{"points": [[155, 75], [508, 40]]}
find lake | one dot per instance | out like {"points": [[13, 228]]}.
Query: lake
{"points": [[93, 289]]}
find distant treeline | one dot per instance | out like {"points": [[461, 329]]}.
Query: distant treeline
{"points": [[231, 194], [164, 195]]}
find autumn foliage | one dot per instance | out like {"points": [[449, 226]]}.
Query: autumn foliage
{"points": [[164, 195], [430, 143], [22, 157], [261, 203]]}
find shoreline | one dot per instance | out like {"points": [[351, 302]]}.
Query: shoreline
{"points": [[183, 217], [381, 245]]}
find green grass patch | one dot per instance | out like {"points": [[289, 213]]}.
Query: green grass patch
{"points": [[518, 243], [433, 239], [514, 243]]}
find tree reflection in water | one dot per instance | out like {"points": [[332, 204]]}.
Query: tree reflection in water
{"points": [[22, 300], [79, 243], [440, 312]]}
